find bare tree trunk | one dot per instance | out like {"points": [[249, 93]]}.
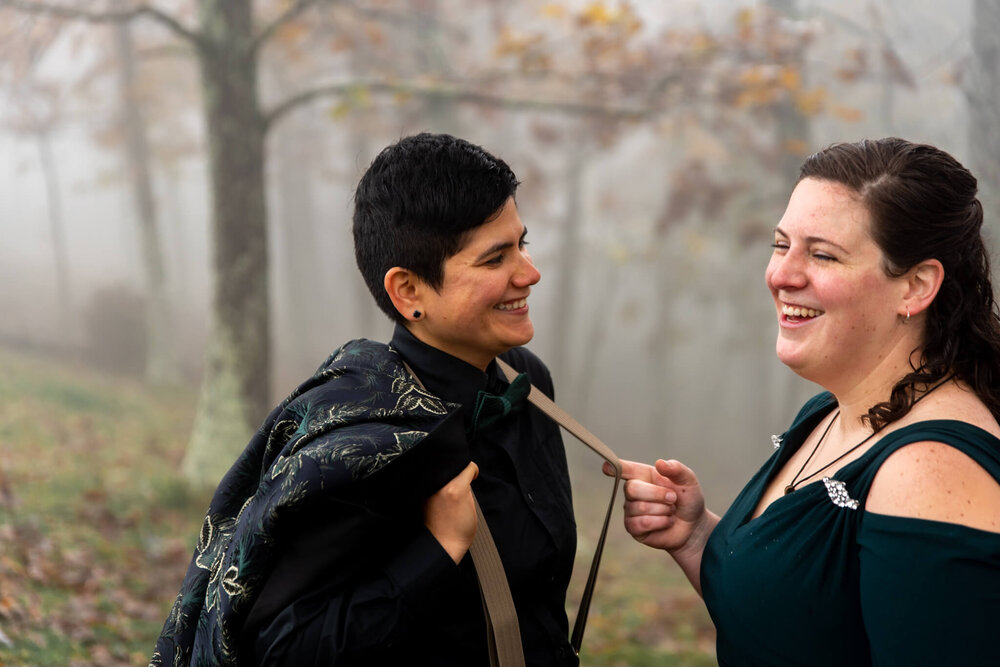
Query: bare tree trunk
{"points": [[236, 383], [161, 359], [570, 249], [296, 266], [983, 93], [368, 315], [50, 174], [439, 110]]}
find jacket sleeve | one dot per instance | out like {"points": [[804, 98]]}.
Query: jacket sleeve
{"points": [[355, 572], [351, 620]]}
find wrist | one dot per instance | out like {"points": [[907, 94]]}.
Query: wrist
{"points": [[455, 548], [701, 530]]}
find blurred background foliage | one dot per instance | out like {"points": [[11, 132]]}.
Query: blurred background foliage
{"points": [[176, 251]]}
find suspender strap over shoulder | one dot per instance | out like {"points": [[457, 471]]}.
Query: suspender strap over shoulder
{"points": [[503, 634], [502, 629], [561, 417]]}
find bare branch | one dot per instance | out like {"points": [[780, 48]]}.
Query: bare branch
{"points": [[290, 13], [65, 12], [457, 94]]}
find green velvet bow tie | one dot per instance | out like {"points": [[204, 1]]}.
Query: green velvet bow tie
{"points": [[491, 408]]}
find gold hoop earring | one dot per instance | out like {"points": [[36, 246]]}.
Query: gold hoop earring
{"points": [[907, 313]]}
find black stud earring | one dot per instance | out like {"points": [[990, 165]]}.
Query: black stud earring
{"points": [[416, 314]]}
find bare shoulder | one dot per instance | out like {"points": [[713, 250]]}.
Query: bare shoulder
{"points": [[934, 481]]}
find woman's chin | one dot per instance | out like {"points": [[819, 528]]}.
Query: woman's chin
{"points": [[522, 335], [791, 358]]}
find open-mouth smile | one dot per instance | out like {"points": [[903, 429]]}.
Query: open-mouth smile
{"points": [[512, 305], [798, 312]]}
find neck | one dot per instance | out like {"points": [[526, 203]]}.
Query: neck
{"points": [[856, 395]]}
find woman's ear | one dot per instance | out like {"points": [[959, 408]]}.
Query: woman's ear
{"points": [[404, 289], [922, 284]]}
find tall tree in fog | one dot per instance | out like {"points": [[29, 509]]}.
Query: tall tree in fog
{"points": [[982, 89], [791, 126], [38, 115], [57, 223], [161, 353], [227, 44], [760, 123], [793, 141], [37, 111], [236, 381], [296, 251], [597, 69]]}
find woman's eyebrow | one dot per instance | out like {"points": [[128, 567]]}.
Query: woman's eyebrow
{"points": [[814, 239], [497, 247]]}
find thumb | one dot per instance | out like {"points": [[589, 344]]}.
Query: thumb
{"points": [[470, 473], [676, 472]]}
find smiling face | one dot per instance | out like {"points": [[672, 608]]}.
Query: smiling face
{"points": [[837, 309], [481, 308]]}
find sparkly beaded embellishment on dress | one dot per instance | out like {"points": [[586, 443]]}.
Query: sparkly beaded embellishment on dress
{"points": [[776, 441], [838, 494]]}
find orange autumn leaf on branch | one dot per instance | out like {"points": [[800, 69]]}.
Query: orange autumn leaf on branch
{"points": [[811, 102], [597, 13]]}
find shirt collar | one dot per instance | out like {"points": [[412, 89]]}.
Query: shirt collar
{"points": [[445, 376]]}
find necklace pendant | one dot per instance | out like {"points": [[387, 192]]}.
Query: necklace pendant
{"points": [[789, 489]]}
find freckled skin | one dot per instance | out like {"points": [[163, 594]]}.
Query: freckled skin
{"points": [[930, 480], [858, 346], [826, 260]]}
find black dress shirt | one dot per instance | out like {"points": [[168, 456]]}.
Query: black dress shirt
{"points": [[420, 608]]}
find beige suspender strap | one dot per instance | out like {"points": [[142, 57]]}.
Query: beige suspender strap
{"points": [[503, 634], [503, 631], [560, 416]]}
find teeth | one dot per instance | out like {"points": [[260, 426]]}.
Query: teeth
{"points": [[795, 311], [514, 305]]}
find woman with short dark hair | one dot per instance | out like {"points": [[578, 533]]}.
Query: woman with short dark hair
{"points": [[342, 534]]}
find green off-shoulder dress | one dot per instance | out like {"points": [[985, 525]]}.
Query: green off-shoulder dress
{"points": [[817, 580]]}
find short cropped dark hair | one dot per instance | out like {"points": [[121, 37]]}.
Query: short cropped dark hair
{"points": [[417, 201]]}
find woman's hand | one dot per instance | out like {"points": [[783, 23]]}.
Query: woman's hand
{"points": [[665, 509], [450, 514]]}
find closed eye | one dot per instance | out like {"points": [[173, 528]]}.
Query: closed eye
{"points": [[782, 247]]}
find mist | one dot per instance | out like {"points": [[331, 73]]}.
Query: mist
{"points": [[657, 144]]}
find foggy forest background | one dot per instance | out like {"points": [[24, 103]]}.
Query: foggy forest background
{"points": [[176, 186]]}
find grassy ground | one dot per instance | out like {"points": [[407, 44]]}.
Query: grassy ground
{"points": [[96, 529]]}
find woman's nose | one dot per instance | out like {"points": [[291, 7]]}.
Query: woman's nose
{"points": [[787, 270], [526, 274]]}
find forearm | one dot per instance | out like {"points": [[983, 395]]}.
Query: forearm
{"points": [[688, 557]]}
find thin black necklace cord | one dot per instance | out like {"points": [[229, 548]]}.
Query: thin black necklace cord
{"points": [[796, 481]]}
